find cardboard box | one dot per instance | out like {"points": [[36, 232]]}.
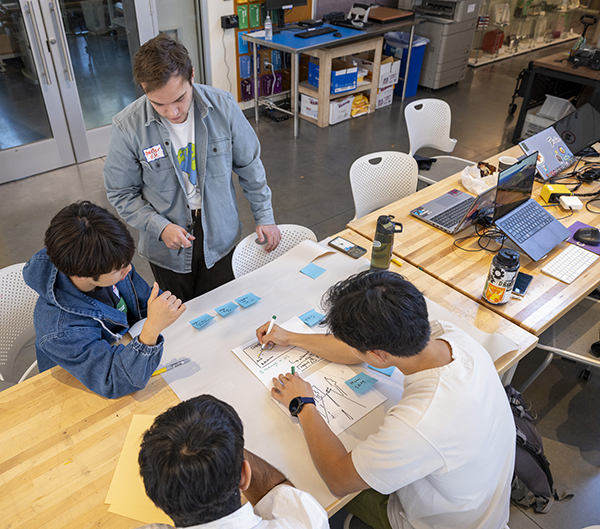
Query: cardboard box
{"points": [[309, 106], [389, 70], [385, 97], [340, 110], [344, 76]]}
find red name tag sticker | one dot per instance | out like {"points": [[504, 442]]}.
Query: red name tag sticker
{"points": [[154, 153]]}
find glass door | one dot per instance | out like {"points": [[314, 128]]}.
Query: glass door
{"points": [[65, 72]]}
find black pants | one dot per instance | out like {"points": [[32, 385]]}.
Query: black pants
{"points": [[201, 279]]}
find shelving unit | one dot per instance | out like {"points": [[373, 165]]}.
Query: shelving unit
{"points": [[529, 27], [322, 93]]}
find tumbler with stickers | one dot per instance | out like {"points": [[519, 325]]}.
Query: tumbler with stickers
{"points": [[502, 277]]}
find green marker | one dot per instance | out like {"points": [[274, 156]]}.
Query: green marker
{"points": [[293, 370]]}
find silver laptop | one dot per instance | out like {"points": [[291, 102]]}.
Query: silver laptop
{"points": [[454, 211], [527, 224]]}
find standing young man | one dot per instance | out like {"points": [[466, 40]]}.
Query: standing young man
{"points": [[444, 455], [90, 295], [168, 172], [194, 467]]}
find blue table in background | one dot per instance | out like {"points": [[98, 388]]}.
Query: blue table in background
{"points": [[286, 41]]}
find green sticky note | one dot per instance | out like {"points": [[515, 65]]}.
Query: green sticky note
{"points": [[254, 16], [242, 17]]}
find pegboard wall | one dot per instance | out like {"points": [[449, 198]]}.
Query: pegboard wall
{"points": [[251, 17]]}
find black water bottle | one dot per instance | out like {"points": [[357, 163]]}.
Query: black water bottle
{"points": [[384, 242]]}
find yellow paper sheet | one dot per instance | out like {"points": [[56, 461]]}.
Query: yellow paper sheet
{"points": [[126, 493]]}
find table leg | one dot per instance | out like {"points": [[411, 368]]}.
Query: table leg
{"points": [[524, 107], [408, 54], [294, 94], [255, 65]]}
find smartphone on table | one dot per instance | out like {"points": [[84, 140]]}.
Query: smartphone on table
{"points": [[347, 247], [521, 285]]}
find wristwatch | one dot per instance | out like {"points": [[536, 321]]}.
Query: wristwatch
{"points": [[297, 403]]}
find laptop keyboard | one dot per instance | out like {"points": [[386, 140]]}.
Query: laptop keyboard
{"points": [[522, 225], [569, 264], [451, 217]]}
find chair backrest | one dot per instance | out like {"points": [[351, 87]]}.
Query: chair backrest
{"points": [[428, 124], [380, 178], [249, 255], [17, 303]]}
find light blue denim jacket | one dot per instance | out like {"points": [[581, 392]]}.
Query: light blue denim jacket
{"points": [[150, 195], [80, 333]]}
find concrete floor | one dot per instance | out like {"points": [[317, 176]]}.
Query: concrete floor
{"points": [[309, 180]]}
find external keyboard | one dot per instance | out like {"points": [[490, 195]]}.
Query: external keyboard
{"points": [[522, 225], [569, 264], [315, 32], [451, 217]]}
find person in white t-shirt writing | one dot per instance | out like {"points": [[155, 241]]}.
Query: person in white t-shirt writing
{"points": [[194, 467], [444, 455]]}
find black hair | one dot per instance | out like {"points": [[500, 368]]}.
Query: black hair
{"points": [[86, 240], [191, 461], [378, 310]]}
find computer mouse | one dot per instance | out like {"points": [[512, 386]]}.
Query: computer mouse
{"points": [[337, 34], [589, 236]]}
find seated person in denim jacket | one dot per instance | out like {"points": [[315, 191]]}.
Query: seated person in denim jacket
{"points": [[90, 295]]}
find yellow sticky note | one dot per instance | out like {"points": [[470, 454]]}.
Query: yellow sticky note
{"points": [[126, 493]]}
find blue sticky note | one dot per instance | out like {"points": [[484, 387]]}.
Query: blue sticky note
{"points": [[227, 309], [312, 270], [389, 371], [201, 321], [361, 382], [312, 317], [247, 300]]}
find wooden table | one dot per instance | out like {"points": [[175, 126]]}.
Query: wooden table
{"points": [[555, 67], [61, 442], [434, 252]]}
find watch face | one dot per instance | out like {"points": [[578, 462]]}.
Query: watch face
{"points": [[295, 406]]}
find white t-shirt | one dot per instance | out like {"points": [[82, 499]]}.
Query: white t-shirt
{"points": [[183, 140], [283, 507], [445, 453]]}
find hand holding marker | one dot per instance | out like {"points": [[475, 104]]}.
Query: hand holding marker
{"points": [[262, 347], [169, 367]]}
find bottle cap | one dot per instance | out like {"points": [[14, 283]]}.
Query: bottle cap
{"points": [[508, 258], [385, 224]]}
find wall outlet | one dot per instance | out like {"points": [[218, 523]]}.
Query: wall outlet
{"points": [[229, 21]]}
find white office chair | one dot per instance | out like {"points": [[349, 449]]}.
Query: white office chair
{"points": [[17, 302], [249, 255], [380, 178], [428, 124]]}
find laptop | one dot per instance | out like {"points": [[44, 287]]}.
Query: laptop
{"points": [[580, 129], [553, 154], [454, 211], [527, 224]]}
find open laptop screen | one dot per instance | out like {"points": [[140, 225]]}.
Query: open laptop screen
{"points": [[580, 128], [515, 185]]}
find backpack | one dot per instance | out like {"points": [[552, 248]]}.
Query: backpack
{"points": [[532, 485]]}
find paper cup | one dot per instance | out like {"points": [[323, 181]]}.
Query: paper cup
{"points": [[505, 162]]}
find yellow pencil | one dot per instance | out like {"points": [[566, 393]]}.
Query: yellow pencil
{"points": [[396, 262]]}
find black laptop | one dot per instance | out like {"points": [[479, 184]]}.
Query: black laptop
{"points": [[527, 224], [580, 129]]}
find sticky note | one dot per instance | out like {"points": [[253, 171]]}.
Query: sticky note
{"points": [[312, 270], [201, 321], [227, 309], [312, 317], [247, 300], [361, 382], [389, 371]]}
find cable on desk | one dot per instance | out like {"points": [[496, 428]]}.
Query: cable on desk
{"points": [[566, 216], [490, 233], [587, 204]]}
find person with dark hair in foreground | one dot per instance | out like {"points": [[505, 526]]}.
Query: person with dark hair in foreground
{"points": [[90, 295], [168, 172], [444, 455], [194, 467]]}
